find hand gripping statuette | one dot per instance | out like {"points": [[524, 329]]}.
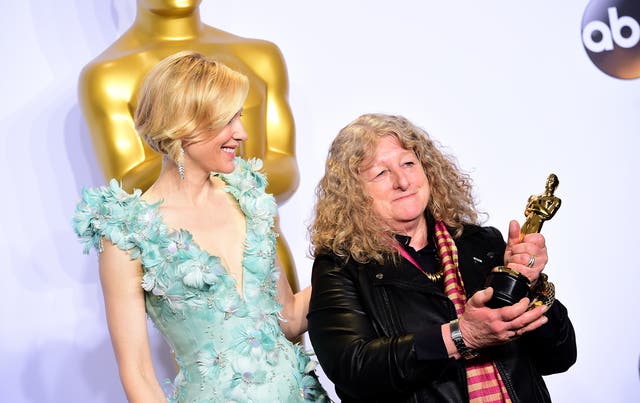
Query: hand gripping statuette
{"points": [[509, 286]]}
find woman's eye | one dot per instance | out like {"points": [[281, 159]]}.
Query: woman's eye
{"points": [[409, 163]]}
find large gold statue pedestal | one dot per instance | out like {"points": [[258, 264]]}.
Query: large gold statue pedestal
{"points": [[510, 286]]}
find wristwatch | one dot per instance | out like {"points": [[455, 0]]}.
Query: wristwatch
{"points": [[456, 336]]}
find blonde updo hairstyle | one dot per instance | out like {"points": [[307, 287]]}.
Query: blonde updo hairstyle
{"points": [[184, 97], [344, 222]]}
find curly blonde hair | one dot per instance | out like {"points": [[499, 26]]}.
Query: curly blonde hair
{"points": [[185, 96], [344, 222]]}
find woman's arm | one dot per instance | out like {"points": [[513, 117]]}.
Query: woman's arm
{"points": [[353, 355], [294, 307], [120, 277]]}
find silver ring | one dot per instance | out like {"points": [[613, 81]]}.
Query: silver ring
{"points": [[532, 261]]}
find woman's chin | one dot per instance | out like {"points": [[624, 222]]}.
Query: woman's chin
{"points": [[227, 169]]}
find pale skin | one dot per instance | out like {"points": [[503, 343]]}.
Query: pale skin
{"points": [[187, 205], [396, 181]]}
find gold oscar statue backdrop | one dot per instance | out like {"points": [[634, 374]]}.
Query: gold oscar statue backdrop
{"points": [[109, 85]]}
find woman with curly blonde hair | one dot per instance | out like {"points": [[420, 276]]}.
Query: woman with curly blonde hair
{"points": [[343, 224], [398, 309]]}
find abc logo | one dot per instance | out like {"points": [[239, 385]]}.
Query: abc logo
{"points": [[611, 36]]}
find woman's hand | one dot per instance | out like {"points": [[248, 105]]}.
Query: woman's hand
{"points": [[483, 327], [525, 254]]}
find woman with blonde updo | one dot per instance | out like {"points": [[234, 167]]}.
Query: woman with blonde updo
{"points": [[197, 251]]}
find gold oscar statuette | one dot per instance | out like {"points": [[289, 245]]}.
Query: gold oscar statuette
{"points": [[509, 286], [108, 96]]}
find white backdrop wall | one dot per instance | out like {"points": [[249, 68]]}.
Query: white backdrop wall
{"points": [[507, 87]]}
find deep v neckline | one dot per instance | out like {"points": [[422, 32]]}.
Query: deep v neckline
{"points": [[171, 233], [247, 186]]}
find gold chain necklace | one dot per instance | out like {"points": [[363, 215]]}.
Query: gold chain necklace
{"points": [[435, 277]]}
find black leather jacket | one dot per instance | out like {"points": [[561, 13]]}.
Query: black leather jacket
{"points": [[376, 330]]}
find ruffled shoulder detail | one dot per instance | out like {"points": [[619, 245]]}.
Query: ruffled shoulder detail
{"points": [[247, 184], [246, 177], [110, 212]]}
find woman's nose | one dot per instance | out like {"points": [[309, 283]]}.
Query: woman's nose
{"points": [[239, 133], [400, 181]]}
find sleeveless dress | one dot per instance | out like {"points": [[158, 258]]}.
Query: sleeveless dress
{"points": [[229, 346]]}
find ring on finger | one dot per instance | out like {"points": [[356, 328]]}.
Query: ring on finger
{"points": [[532, 261]]}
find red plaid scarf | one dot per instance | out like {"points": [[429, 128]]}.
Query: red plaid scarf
{"points": [[483, 378]]}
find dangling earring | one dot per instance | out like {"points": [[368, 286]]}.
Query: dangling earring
{"points": [[181, 164]]}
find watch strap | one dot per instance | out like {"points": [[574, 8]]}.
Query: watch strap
{"points": [[456, 336]]}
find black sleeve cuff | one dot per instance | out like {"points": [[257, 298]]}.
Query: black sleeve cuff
{"points": [[429, 345], [554, 328]]}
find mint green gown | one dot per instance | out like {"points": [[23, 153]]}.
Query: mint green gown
{"points": [[229, 346]]}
